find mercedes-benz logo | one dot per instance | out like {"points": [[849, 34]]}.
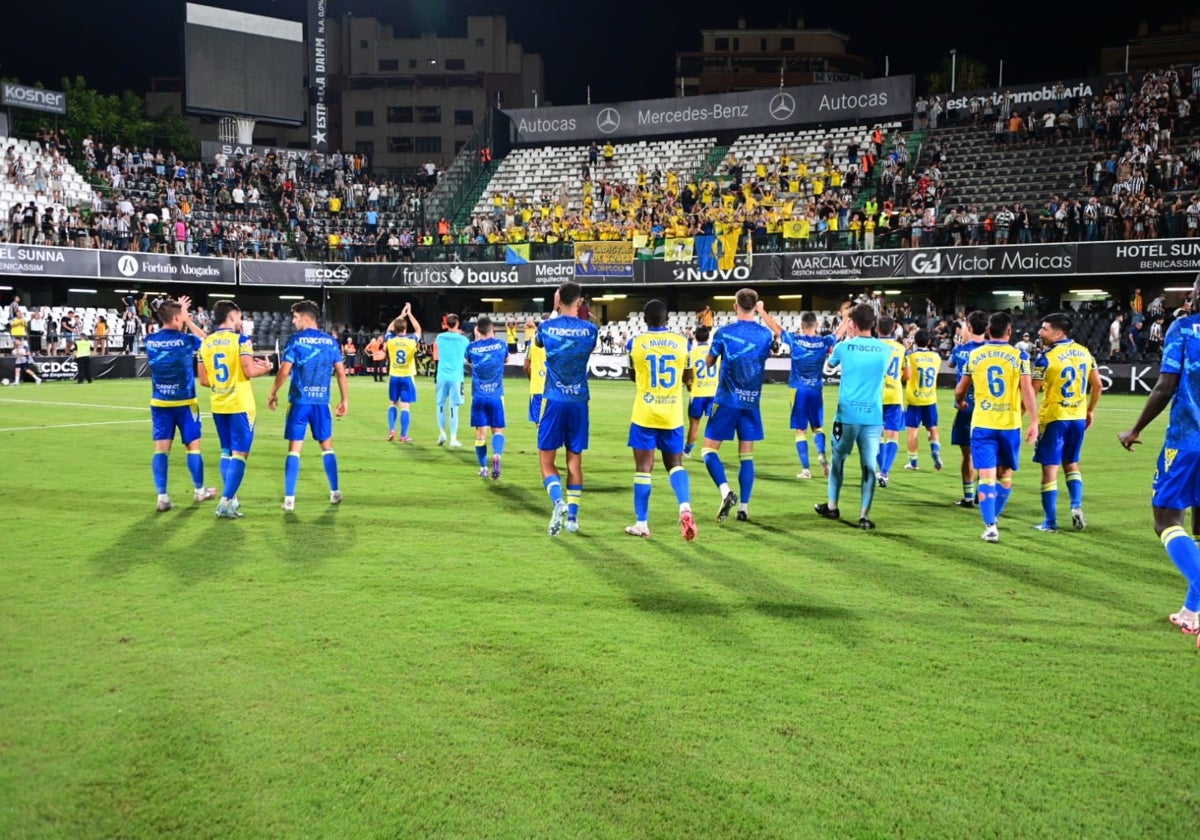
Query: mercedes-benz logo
{"points": [[608, 120], [782, 106], [128, 265]]}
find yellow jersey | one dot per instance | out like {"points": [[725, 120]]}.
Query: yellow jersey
{"points": [[402, 354], [893, 388], [923, 367], [221, 354], [996, 368], [704, 382], [1064, 370], [658, 358], [537, 368]]}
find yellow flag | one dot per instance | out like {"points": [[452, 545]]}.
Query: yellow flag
{"points": [[728, 250], [679, 249]]}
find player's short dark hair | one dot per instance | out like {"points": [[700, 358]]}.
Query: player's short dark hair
{"points": [[221, 311], [1060, 321], [921, 337], [167, 311], [863, 317], [451, 320], [701, 334], [808, 319], [655, 313], [569, 292], [483, 324], [746, 299], [999, 325], [887, 326], [977, 321], [307, 307]]}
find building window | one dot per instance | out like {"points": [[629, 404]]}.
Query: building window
{"points": [[456, 64], [464, 117], [389, 65], [762, 44], [364, 118], [365, 148], [412, 64], [737, 44], [362, 45], [479, 42], [721, 44], [787, 44], [400, 114], [458, 145], [429, 145], [400, 144], [429, 113]]}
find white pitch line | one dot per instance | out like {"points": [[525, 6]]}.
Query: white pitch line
{"points": [[75, 404], [71, 425]]}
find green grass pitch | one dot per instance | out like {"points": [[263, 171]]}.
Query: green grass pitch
{"points": [[423, 661]]}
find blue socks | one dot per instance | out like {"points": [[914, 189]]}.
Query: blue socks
{"points": [[712, 463], [1075, 488], [481, 451], [1050, 502], [681, 484], [291, 473], [392, 419], [329, 461], [158, 466], [987, 500], [1003, 491], [195, 465], [641, 496], [745, 478], [802, 448], [887, 455], [234, 474], [405, 419], [553, 485], [498, 443], [1185, 554], [574, 493], [819, 441]]}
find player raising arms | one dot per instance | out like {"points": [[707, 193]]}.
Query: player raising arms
{"points": [[1176, 487], [658, 363], [921, 367], [743, 348], [704, 386], [171, 353], [1070, 385], [568, 341], [809, 351], [487, 355], [893, 399], [973, 335], [310, 359], [227, 366], [1000, 375], [402, 341]]}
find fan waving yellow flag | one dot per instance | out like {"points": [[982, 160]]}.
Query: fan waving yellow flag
{"points": [[728, 249]]}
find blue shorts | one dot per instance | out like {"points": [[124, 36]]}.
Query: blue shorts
{"points": [[729, 420], [450, 393], [402, 389], [1177, 481], [808, 409], [960, 433], [1060, 442], [996, 449], [667, 441], [235, 431], [893, 418], [916, 416], [700, 407], [185, 418], [487, 411], [535, 408], [846, 435], [563, 425], [302, 417]]}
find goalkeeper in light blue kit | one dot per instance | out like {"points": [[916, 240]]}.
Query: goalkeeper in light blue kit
{"points": [[487, 355], [310, 360]]}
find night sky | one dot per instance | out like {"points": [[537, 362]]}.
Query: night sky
{"points": [[624, 49]]}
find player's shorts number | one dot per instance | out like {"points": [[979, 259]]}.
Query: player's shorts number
{"points": [[995, 381], [220, 368], [662, 371], [1071, 377]]}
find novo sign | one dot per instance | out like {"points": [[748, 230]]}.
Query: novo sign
{"points": [[864, 100], [36, 99]]}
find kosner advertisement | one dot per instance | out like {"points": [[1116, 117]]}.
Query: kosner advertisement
{"points": [[866, 100]]}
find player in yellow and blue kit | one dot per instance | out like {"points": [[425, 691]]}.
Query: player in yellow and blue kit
{"points": [[227, 364], [487, 355], [171, 353], [893, 399], [973, 336], [1070, 385], [921, 367], [742, 348], [1177, 476], [659, 364], [402, 341], [568, 341], [535, 369], [310, 360], [704, 386], [1000, 376]]}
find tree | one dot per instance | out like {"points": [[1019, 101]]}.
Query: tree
{"points": [[968, 74]]}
